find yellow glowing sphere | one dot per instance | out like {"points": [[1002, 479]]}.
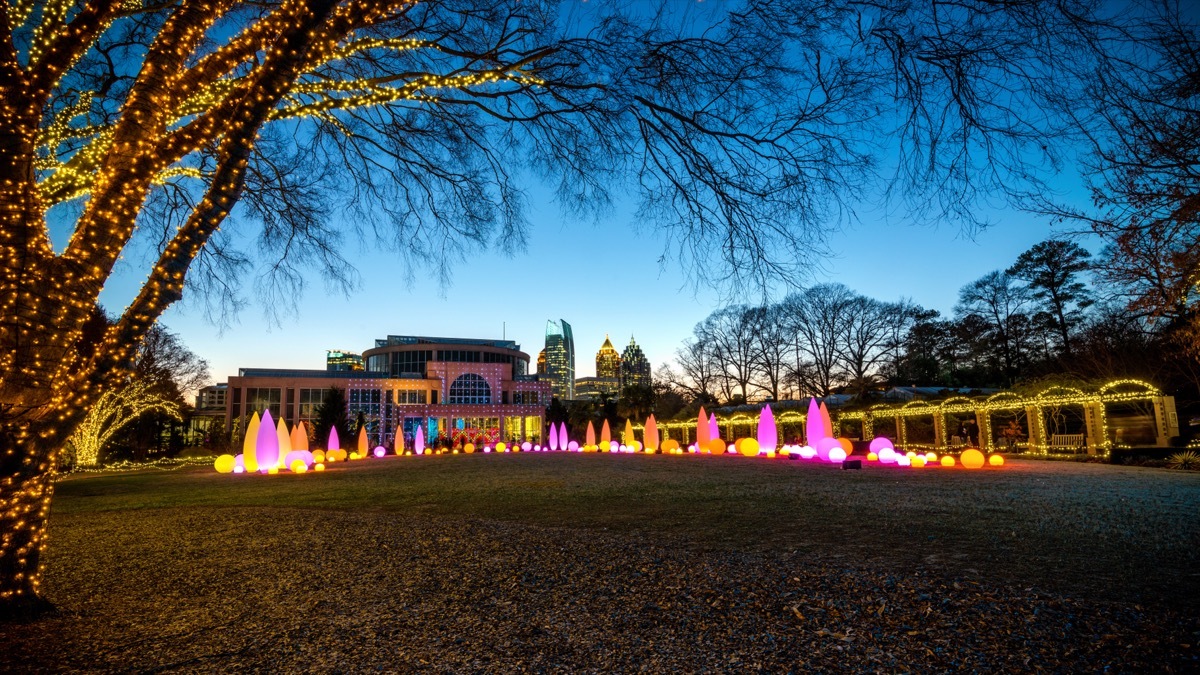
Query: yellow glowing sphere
{"points": [[971, 459], [947, 461], [716, 446], [910, 454], [737, 444], [299, 467], [319, 467], [749, 447], [501, 447], [918, 461], [469, 448], [996, 460], [636, 445], [224, 464], [770, 454], [273, 470], [846, 445], [931, 457], [354, 455], [872, 457], [318, 456]]}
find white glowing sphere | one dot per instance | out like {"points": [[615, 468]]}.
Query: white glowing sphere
{"points": [[837, 455], [487, 448], [614, 446], [526, 446], [903, 460], [887, 455], [807, 451], [238, 468]]}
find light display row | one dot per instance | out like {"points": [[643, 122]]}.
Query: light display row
{"points": [[269, 447]]}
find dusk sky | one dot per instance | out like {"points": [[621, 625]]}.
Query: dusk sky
{"points": [[601, 278]]}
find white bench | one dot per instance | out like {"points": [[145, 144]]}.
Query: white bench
{"points": [[1072, 442]]}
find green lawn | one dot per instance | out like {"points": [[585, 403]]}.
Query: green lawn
{"points": [[1095, 531]]}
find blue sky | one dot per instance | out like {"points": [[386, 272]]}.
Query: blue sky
{"points": [[601, 278]]}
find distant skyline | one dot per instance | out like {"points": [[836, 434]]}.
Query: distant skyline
{"points": [[603, 279]]}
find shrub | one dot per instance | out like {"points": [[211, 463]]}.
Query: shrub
{"points": [[1184, 460]]}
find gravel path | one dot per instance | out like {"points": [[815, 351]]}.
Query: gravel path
{"points": [[290, 590]]}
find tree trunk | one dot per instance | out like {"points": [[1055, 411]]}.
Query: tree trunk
{"points": [[29, 453]]}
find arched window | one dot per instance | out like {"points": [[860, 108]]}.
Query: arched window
{"points": [[470, 388]]}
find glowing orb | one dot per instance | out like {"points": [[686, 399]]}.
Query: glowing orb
{"points": [[716, 446], [996, 460], [971, 459], [318, 456], [613, 446], [354, 455], [903, 460], [931, 457], [501, 447], [636, 445], [319, 467], [749, 447], [469, 448], [573, 446], [380, 451], [918, 461], [880, 442], [622, 448], [239, 469], [910, 454], [947, 461], [887, 455], [273, 470], [825, 445], [225, 464], [847, 446], [527, 446], [872, 457], [807, 451], [298, 467], [487, 448], [837, 455]]}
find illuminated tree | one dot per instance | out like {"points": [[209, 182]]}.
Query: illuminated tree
{"points": [[166, 126], [163, 370], [113, 411]]}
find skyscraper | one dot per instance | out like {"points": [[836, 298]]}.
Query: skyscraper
{"points": [[635, 367], [608, 360], [560, 359]]}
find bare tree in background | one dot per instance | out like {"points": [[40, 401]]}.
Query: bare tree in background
{"points": [[729, 334], [816, 318], [1000, 304], [771, 347]]}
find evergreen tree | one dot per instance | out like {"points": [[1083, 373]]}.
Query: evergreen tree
{"points": [[1052, 269], [331, 413]]}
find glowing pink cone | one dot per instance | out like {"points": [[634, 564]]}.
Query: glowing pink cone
{"points": [[562, 435], [334, 443], [553, 437], [714, 431], [768, 437], [266, 447], [814, 425], [419, 441]]}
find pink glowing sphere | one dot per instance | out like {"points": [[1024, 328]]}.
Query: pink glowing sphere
{"points": [[614, 446], [538, 448], [837, 455], [888, 455], [380, 451], [573, 446], [826, 445], [487, 448], [879, 443], [526, 446]]}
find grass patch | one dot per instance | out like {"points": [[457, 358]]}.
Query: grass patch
{"points": [[1096, 531]]}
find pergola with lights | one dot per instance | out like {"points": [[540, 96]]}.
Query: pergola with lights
{"points": [[1100, 434]]}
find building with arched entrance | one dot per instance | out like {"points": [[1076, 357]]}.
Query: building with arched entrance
{"points": [[457, 390]]}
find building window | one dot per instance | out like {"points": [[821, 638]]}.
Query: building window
{"points": [[264, 398], [410, 396], [470, 388], [309, 400]]}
